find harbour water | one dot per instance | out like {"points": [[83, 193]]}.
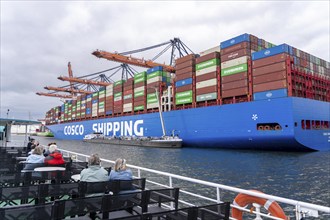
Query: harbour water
{"points": [[298, 176]]}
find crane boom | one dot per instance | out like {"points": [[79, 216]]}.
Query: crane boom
{"points": [[54, 95], [131, 60], [83, 81], [71, 76], [68, 90]]}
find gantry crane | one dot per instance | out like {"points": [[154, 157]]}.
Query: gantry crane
{"points": [[72, 91], [175, 44], [55, 95]]}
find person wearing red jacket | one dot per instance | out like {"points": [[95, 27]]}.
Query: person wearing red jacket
{"points": [[55, 156]]}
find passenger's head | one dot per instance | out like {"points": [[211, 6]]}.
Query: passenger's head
{"points": [[120, 164], [52, 143], [38, 150], [52, 148], [94, 159]]}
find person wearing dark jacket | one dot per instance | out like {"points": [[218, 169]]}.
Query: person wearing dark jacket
{"points": [[55, 156]]}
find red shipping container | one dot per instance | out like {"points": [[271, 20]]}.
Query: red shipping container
{"points": [[234, 85], [235, 54], [184, 76], [206, 76], [140, 98], [209, 56], [235, 92], [270, 60], [244, 45], [270, 86], [276, 67], [269, 77], [185, 64], [183, 88], [186, 70], [206, 90], [234, 77], [140, 84], [185, 58]]}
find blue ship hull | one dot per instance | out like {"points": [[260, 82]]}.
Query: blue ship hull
{"points": [[231, 126]]}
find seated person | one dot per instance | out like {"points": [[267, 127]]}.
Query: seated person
{"points": [[120, 172], [55, 156], [94, 172], [46, 151], [35, 159]]}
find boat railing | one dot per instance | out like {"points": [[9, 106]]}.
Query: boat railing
{"points": [[298, 209]]}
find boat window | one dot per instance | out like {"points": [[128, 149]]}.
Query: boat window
{"points": [[308, 124], [295, 124]]}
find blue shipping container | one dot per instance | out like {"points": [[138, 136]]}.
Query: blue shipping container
{"points": [[183, 82], [270, 94], [235, 40], [94, 101], [89, 96], [155, 69], [88, 111], [283, 48], [108, 112]]}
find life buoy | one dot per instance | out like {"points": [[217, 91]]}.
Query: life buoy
{"points": [[278, 127], [243, 200]]}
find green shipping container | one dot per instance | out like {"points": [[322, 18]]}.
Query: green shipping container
{"points": [[234, 69], [205, 97], [101, 104], [151, 100], [120, 82], [140, 75], [207, 64], [183, 101], [154, 74], [95, 94], [185, 94], [118, 94], [138, 108], [152, 95], [138, 80], [137, 94], [128, 96]]}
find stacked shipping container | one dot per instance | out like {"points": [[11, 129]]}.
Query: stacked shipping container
{"points": [[207, 75], [246, 66], [128, 95], [140, 92], [109, 100], [185, 80], [118, 97]]}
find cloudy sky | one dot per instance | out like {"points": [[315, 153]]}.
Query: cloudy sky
{"points": [[39, 38]]}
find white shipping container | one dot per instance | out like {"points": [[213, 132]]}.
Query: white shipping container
{"points": [[234, 62], [152, 105], [155, 79], [101, 110], [128, 109], [139, 89], [206, 70], [117, 98], [108, 93], [206, 83], [127, 105], [211, 50]]}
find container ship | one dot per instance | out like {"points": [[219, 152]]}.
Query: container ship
{"points": [[245, 93]]}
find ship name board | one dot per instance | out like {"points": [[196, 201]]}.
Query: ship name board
{"points": [[122, 128]]}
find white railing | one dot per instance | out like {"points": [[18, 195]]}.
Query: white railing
{"points": [[299, 209]]}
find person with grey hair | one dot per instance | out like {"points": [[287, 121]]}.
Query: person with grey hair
{"points": [[121, 172], [36, 159], [95, 172], [55, 156]]}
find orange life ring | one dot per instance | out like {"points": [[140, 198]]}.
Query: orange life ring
{"points": [[243, 200], [278, 127]]}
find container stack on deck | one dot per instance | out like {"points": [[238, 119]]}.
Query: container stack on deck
{"points": [[185, 80], [207, 76], [109, 100], [89, 106], [118, 97], [101, 109], [155, 79], [128, 95], [140, 93], [241, 69]]}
